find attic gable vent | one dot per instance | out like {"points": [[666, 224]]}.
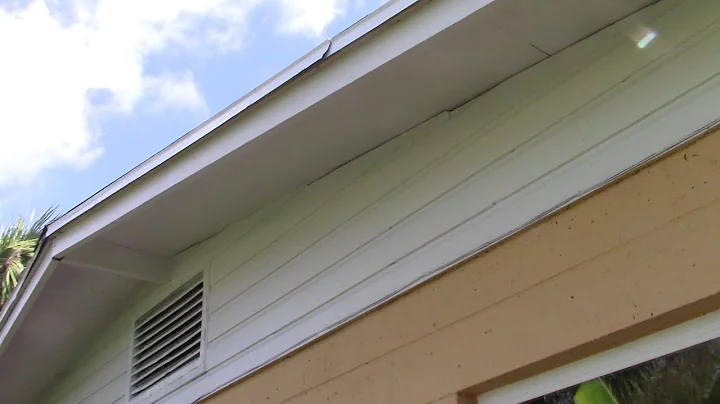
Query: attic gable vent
{"points": [[168, 338]]}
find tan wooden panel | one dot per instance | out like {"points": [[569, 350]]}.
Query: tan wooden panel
{"points": [[455, 399], [633, 258]]}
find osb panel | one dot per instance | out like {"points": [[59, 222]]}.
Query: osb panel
{"points": [[610, 268]]}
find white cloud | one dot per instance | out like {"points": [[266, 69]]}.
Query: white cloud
{"points": [[63, 61], [175, 91], [309, 16]]}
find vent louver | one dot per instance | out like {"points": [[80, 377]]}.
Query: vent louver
{"points": [[167, 338]]}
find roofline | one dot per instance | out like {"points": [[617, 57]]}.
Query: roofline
{"points": [[42, 265], [283, 103], [321, 52], [12, 311], [59, 239]]}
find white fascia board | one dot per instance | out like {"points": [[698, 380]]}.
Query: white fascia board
{"points": [[26, 292], [193, 136], [322, 51], [39, 271], [429, 20]]}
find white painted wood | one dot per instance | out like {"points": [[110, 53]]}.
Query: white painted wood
{"points": [[106, 359], [460, 182], [634, 98], [433, 19], [285, 218], [350, 219], [96, 381], [230, 236], [109, 358], [475, 179], [386, 12], [25, 293], [352, 210], [112, 392], [196, 134], [665, 342], [341, 208], [122, 261]]}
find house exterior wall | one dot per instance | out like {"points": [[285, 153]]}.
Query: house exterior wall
{"points": [[634, 258], [440, 193]]}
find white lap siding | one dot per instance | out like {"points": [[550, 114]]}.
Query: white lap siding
{"points": [[464, 179]]}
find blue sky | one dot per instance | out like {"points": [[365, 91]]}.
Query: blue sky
{"points": [[91, 88]]}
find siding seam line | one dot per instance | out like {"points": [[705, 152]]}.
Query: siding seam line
{"points": [[94, 371], [470, 138], [467, 257], [368, 172], [512, 296], [593, 102], [684, 46], [103, 386]]}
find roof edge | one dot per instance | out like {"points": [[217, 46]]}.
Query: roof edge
{"points": [[321, 52], [27, 289], [41, 266]]}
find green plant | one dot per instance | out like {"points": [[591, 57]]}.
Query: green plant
{"points": [[17, 247], [594, 392]]}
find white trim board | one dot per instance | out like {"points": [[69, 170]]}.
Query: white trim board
{"points": [[613, 106], [653, 346], [419, 204], [344, 71], [323, 51]]}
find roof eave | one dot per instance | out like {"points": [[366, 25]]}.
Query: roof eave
{"points": [[323, 51], [40, 268]]}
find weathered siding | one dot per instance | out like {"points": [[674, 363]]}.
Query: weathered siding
{"points": [[102, 377], [398, 215], [634, 258]]}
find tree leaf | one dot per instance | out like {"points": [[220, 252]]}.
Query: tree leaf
{"points": [[594, 392]]}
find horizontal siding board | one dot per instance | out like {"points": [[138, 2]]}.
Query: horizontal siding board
{"points": [[106, 360], [699, 112], [101, 378], [392, 192], [388, 282], [626, 211], [625, 92], [607, 298], [109, 357], [339, 208], [389, 219], [112, 392], [488, 112], [324, 237], [295, 212], [229, 237]]}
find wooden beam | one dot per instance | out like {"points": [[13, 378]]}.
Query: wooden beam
{"points": [[122, 261]]}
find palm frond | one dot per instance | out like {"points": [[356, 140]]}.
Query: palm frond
{"points": [[17, 247]]}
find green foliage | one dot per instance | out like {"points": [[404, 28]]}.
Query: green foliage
{"points": [[690, 376], [594, 392], [17, 246]]}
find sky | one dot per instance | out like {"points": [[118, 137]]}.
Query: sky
{"points": [[91, 88]]}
